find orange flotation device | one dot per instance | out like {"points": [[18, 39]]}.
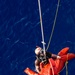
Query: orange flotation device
{"points": [[54, 66]]}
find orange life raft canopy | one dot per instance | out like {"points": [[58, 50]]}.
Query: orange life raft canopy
{"points": [[54, 66]]}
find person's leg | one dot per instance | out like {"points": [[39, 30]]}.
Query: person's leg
{"points": [[64, 58], [63, 51], [68, 56]]}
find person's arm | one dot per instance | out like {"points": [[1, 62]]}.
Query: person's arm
{"points": [[37, 69], [54, 56], [37, 65]]}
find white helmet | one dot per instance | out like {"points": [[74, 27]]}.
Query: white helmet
{"points": [[37, 50]]}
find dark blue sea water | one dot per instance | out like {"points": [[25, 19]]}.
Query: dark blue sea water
{"points": [[20, 32]]}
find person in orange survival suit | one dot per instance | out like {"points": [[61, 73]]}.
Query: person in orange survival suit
{"points": [[40, 57]]}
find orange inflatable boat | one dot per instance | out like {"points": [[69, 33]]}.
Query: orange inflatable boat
{"points": [[54, 66]]}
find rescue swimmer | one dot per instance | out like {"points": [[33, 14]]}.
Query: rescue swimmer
{"points": [[40, 57]]}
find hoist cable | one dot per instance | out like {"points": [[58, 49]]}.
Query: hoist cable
{"points": [[53, 25], [41, 26]]}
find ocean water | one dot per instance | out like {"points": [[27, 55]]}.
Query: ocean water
{"points": [[20, 32]]}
